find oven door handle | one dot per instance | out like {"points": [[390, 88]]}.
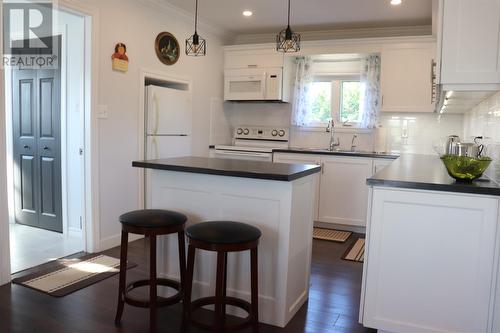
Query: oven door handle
{"points": [[241, 153]]}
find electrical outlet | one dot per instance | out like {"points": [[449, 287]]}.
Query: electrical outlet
{"points": [[102, 112]]}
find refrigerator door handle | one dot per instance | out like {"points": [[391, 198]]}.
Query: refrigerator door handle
{"points": [[156, 113]]}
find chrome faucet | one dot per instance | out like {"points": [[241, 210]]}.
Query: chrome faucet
{"points": [[353, 146], [330, 129]]}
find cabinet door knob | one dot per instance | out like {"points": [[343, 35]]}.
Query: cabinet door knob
{"points": [[26, 147], [46, 148]]}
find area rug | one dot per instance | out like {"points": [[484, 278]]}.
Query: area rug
{"points": [[66, 275], [356, 252], [331, 235]]}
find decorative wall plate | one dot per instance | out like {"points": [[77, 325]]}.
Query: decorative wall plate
{"points": [[167, 48]]}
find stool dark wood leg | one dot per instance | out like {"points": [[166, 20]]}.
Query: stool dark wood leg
{"points": [[182, 259], [219, 285], [189, 282], [255, 288], [123, 276], [224, 291], [152, 283]]}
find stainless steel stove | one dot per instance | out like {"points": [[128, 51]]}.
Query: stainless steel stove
{"points": [[254, 143]]}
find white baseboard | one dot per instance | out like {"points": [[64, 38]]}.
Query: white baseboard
{"points": [[75, 233], [115, 240], [343, 227]]}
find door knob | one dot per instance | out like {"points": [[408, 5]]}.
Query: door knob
{"points": [[46, 148], [26, 147]]}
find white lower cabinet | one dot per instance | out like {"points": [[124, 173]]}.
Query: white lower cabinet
{"points": [[430, 262], [343, 194], [297, 158]]}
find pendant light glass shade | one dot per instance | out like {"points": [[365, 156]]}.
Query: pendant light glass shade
{"points": [[287, 40], [195, 45]]}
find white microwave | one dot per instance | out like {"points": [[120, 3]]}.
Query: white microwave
{"points": [[254, 84]]}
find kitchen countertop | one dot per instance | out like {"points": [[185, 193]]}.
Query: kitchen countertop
{"points": [[340, 153], [427, 172], [231, 168]]}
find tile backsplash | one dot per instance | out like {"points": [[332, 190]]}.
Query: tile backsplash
{"points": [[400, 132], [417, 133], [484, 120]]}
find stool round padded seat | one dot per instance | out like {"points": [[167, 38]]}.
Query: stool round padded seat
{"points": [[151, 223], [153, 218], [223, 232]]}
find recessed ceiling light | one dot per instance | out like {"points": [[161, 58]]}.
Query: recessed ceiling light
{"points": [[395, 2], [247, 13]]}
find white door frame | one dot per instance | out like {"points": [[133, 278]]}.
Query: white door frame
{"points": [[90, 219]]}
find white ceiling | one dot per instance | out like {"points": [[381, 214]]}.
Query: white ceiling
{"points": [[308, 15]]}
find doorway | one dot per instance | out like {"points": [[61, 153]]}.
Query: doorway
{"points": [[36, 143], [46, 165]]}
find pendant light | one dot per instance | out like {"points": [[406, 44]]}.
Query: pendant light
{"points": [[195, 45], [287, 40]]}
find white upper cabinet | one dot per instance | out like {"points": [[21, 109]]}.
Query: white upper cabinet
{"points": [[470, 42], [408, 77], [235, 58]]}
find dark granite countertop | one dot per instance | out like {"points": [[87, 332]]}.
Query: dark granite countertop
{"points": [[318, 151], [427, 172], [231, 168]]}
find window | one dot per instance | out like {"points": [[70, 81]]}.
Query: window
{"points": [[339, 100]]}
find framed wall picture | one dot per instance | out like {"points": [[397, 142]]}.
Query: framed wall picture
{"points": [[167, 48], [120, 58]]}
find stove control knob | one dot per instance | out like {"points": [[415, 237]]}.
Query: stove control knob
{"points": [[274, 132], [246, 131], [239, 131], [282, 133]]}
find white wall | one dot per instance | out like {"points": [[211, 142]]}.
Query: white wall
{"points": [[484, 120], [137, 25]]}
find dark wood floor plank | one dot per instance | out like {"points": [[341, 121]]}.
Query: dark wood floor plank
{"points": [[332, 307]]}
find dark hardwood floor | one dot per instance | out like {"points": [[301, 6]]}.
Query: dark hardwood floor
{"points": [[333, 304]]}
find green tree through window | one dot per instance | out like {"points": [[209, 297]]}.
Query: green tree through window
{"points": [[338, 100]]}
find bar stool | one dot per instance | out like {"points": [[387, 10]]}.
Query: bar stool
{"points": [[223, 237], [151, 223]]}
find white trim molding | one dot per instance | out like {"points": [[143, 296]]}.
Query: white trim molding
{"points": [[91, 214], [115, 240], [4, 213], [419, 30]]}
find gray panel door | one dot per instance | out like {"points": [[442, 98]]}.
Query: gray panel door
{"points": [[37, 147]]}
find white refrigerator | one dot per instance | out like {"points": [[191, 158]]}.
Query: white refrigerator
{"points": [[168, 122], [168, 127]]}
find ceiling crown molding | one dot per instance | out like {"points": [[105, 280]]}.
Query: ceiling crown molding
{"points": [[423, 30], [165, 6]]}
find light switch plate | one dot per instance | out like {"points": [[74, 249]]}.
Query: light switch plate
{"points": [[102, 112]]}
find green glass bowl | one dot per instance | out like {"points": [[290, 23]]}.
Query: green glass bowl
{"points": [[464, 168]]}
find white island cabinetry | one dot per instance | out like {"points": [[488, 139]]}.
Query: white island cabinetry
{"points": [[432, 251], [281, 209], [430, 261]]}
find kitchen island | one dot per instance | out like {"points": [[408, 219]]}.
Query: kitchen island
{"points": [[432, 251], [277, 198]]}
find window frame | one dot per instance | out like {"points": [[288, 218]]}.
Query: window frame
{"points": [[336, 101]]}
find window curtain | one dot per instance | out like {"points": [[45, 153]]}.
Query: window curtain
{"points": [[370, 79], [301, 96]]}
